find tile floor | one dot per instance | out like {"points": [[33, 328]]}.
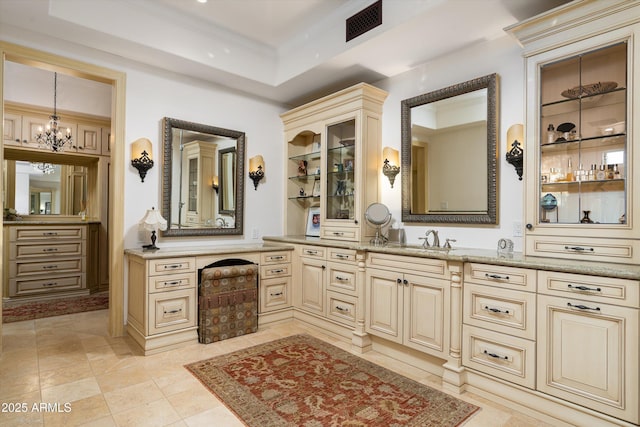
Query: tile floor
{"points": [[96, 380]]}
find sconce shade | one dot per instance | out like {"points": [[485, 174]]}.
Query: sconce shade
{"points": [[142, 156], [390, 167], [214, 182], [515, 147], [256, 170], [152, 221]]}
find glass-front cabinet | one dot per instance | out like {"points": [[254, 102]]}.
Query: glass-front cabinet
{"points": [[329, 143], [579, 144]]}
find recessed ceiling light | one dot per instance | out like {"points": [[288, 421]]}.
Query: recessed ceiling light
{"points": [[202, 1]]}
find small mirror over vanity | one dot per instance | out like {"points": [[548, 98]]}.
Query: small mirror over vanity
{"points": [[202, 179], [449, 139]]}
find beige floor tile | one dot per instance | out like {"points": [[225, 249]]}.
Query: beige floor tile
{"points": [[65, 374], [61, 360], [153, 414], [107, 421], [126, 398], [17, 385], [18, 362], [121, 378], [22, 414], [218, 416], [193, 401], [180, 381], [71, 392], [81, 412]]}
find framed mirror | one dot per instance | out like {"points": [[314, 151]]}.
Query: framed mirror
{"points": [[202, 179], [449, 154]]}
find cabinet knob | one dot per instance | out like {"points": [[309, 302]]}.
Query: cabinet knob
{"points": [[405, 281], [529, 226], [324, 267], [398, 280]]}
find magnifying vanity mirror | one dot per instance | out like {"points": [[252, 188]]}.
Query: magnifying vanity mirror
{"points": [[202, 179], [449, 154]]}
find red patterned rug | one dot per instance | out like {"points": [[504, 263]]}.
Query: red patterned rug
{"points": [[303, 381], [16, 311]]}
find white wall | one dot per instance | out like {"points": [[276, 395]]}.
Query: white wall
{"points": [[501, 56]]}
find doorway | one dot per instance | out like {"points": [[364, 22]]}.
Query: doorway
{"points": [[114, 216]]}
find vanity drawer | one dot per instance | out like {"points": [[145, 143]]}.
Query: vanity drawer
{"points": [[275, 294], [48, 233], [589, 249], [342, 278], [171, 265], [500, 310], [20, 251], [341, 308], [342, 255], [504, 277], [591, 288], [25, 287], [340, 233], [278, 270], [503, 356], [275, 257], [313, 252], [20, 268], [434, 267], [172, 282], [170, 311]]}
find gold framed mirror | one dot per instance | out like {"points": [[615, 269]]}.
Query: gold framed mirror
{"points": [[202, 179], [449, 154]]}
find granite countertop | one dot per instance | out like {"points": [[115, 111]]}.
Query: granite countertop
{"points": [[485, 256], [207, 250]]}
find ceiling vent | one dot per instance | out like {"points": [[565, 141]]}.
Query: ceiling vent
{"points": [[365, 20]]}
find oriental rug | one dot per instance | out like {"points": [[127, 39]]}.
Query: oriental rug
{"points": [[16, 311], [303, 381]]}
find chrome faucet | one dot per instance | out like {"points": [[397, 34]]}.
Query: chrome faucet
{"points": [[436, 239]]}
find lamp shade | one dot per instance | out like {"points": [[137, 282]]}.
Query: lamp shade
{"points": [[140, 145], [255, 163], [515, 133], [153, 221], [392, 155]]}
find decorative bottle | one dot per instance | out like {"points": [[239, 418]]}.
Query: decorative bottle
{"points": [[551, 134]]}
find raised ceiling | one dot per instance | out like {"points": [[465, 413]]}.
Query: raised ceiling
{"points": [[287, 51]]}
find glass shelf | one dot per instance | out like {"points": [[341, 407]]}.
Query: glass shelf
{"points": [[584, 143], [305, 178], [315, 155], [575, 186], [303, 198]]}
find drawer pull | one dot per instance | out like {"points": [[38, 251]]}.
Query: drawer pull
{"points": [[495, 310], [172, 266], [50, 233], [578, 249], [338, 233], [583, 288], [346, 310], [174, 283], [342, 279], [49, 267], [342, 256], [277, 294], [177, 310], [310, 252], [496, 276], [495, 356], [50, 284], [276, 257], [50, 250], [582, 307], [280, 270]]}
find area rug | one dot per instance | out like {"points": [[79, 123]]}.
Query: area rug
{"points": [[303, 381], [15, 311]]}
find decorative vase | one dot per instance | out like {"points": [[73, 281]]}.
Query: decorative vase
{"points": [[585, 219]]}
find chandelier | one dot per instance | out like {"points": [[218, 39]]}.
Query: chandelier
{"points": [[51, 136], [45, 168]]}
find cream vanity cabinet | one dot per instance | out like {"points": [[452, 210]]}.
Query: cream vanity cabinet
{"points": [[275, 281], [581, 71], [331, 144], [162, 305], [407, 301], [499, 322], [588, 342]]}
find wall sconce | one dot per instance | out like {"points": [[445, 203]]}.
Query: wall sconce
{"points": [[391, 161], [214, 183], [152, 221], [141, 156], [515, 147], [256, 170]]}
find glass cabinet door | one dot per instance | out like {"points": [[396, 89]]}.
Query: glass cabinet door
{"points": [[340, 176], [583, 143]]}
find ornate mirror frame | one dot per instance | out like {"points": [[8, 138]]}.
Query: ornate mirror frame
{"points": [[168, 125], [490, 82]]}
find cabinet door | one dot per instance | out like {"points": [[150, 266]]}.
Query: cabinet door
{"points": [[312, 285], [384, 294], [426, 317], [89, 139], [588, 354], [12, 130]]}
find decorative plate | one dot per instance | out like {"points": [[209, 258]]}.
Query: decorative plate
{"points": [[589, 89]]}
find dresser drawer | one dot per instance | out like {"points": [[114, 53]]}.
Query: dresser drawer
{"points": [[342, 278], [341, 308], [500, 310], [170, 311], [340, 233], [275, 257], [30, 268], [589, 249], [591, 288], [24, 287], [504, 277], [29, 233], [503, 356], [20, 251], [430, 266], [171, 265], [172, 282], [313, 252], [275, 294], [277, 270], [342, 255]]}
